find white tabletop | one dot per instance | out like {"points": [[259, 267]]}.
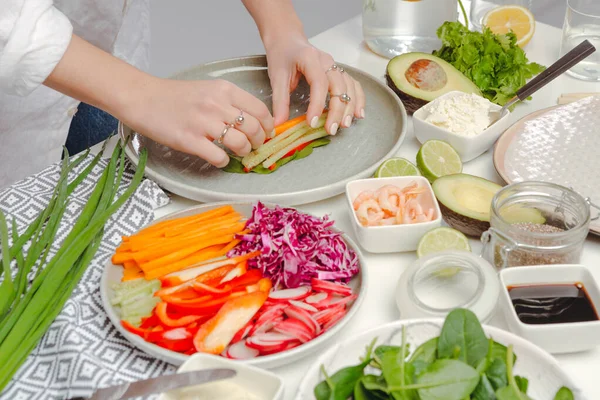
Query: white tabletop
{"points": [[345, 43]]}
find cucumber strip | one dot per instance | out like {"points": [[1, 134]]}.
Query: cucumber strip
{"points": [[141, 308], [133, 290], [309, 137], [280, 141]]}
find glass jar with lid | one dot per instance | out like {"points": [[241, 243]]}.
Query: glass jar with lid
{"points": [[393, 27], [536, 223], [436, 284]]}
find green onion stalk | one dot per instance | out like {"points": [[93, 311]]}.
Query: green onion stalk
{"points": [[27, 311]]}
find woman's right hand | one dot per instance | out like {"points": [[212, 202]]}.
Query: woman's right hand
{"points": [[190, 115]]}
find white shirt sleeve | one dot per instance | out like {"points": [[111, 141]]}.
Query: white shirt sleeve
{"points": [[34, 35]]}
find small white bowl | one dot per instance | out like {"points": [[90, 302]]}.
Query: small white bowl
{"points": [[261, 383], [554, 338], [392, 238], [467, 147]]}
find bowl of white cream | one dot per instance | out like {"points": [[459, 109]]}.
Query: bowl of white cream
{"points": [[249, 383], [462, 120]]}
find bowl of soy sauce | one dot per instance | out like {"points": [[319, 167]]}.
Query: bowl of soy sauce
{"points": [[556, 307]]}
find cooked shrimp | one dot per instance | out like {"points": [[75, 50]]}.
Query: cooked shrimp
{"points": [[429, 214], [361, 198], [389, 198], [369, 213], [388, 221]]}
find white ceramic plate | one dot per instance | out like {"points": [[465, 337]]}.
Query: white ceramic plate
{"points": [[543, 371], [353, 153], [559, 144], [112, 274]]}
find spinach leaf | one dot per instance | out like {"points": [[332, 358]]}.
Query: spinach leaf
{"points": [[381, 350], [564, 393], [463, 338], [446, 380], [484, 390], [499, 351], [522, 383], [396, 371], [512, 391], [377, 385], [362, 393], [340, 385], [418, 367], [426, 352], [497, 374], [235, 163]]}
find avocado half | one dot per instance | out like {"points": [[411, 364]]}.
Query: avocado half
{"points": [[418, 78], [466, 201]]}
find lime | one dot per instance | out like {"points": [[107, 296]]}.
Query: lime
{"points": [[440, 239], [396, 167], [437, 158]]}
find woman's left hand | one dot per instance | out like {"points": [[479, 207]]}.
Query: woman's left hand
{"points": [[291, 56]]}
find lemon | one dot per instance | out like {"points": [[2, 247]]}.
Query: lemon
{"points": [[437, 158], [520, 20], [396, 167], [440, 239]]}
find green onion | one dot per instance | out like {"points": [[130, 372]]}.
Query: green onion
{"points": [[27, 313]]}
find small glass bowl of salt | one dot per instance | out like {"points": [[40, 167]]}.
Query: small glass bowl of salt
{"points": [[462, 120]]}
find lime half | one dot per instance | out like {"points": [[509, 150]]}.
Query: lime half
{"points": [[440, 239], [396, 167], [437, 158]]}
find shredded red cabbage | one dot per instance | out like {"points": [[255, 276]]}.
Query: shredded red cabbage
{"points": [[296, 247]]}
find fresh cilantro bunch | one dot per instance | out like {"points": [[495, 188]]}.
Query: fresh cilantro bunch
{"points": [[493, 62]]}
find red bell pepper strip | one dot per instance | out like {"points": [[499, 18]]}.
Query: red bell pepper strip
{"points": [[150, 335], [302, 146], [180, 346], [249, 278], [161, 313], [205, 307]]}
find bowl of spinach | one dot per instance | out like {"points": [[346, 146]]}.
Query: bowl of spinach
{"points": [[455, 358]]}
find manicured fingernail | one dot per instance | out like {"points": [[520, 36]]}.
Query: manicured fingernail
{"points": [[314, 122], [334, 128], [362, 112], [348, 121]]}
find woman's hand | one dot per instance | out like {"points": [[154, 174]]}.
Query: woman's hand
{"points": [[291, 55], [190, 115]]}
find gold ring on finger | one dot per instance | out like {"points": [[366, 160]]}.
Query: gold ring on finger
{"points": [[225, 130], [240, 118], [344, 98], [336, 67]]}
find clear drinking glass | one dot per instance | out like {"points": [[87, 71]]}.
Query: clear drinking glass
{"points": [[582, 22], [393, 27], [481, 7]]}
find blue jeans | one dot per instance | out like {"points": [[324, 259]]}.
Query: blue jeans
{"points": [[89, 126]]}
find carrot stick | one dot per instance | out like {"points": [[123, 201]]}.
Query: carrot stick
{"points": [[131, 264], [121, 257], [190, 248], [152, 229], [202, 255], [226, 219], [288, 124], [125, 246], [216, 231]]}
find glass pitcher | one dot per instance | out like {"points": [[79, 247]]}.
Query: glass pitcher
{"points": [[393, 27]]}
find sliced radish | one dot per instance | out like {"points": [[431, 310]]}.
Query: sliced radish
{"points": [[283, 347], [316, 298], [330, 287], [333, 320], [269, 342], [270, 312], [304, 317], [301, 304], [322, 317], [342, 301], [242, 333], [298, 293], [295, 328], [239, 351], [265, 326]]}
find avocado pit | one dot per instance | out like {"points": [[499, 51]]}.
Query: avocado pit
{"points": [[426, 75]]}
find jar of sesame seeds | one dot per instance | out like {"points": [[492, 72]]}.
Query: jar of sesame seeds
{"points": [[536, 223]]}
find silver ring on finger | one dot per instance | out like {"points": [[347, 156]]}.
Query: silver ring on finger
{"points": [[240, 118], [336, 67], [225, 130], [344, 98]]}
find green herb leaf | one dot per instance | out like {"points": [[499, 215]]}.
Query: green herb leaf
{"points": [[448, 380], [427, 352], [522, 383], [495, 63], [497, 374], [463, 338], [484, 390], [395, 370], [564, 393], [341, 384]]}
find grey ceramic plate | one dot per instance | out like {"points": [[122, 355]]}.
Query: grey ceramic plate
{"points": [[354, 153]]}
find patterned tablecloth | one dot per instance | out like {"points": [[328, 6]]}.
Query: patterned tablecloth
{"points": [[82, 350]]}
